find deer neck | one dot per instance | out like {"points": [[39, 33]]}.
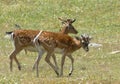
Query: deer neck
{"points": [[77, 43], [63, 30]]}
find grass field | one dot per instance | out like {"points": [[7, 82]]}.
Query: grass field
{"points": [[98, 18]]}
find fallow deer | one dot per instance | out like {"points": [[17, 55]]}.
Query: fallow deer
{"points": [[51, 42], [23, 39]]}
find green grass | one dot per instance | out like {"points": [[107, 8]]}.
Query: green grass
{"points": [[99, 18]]}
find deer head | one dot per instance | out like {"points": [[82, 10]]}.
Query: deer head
{"points": [[85, 39], [67, 26]]}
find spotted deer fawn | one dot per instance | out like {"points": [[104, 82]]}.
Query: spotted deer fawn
{"points": [[24, 39]]}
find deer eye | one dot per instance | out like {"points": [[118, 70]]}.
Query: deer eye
{"points": [[85, 43]]}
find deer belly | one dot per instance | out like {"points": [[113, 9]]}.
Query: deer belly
{"points": [[34, 49], [58, 50]]}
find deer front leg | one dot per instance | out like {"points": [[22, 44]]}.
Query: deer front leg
{"points": [[62, 63], [72, 61]]}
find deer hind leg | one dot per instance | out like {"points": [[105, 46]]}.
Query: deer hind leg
{"points": [[37, 62], [54, 59], [72, 61], [25, 51], [40, 53], [13, 56], [47, 59]]}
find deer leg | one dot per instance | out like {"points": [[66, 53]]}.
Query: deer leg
{"points": [[16, 60], [13, 56], [47, 59], [54, 59], [62, 63], [50, 50], [37, 62], [38, 59], [25, 51], [72, 61], [11, 60]]}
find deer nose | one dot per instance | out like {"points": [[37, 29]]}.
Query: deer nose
{"points": [[86, 49]]}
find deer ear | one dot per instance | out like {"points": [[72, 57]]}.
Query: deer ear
{"points": [[60, 19], [90, 37], [63, 21], [81, 36], [73, 20]]}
